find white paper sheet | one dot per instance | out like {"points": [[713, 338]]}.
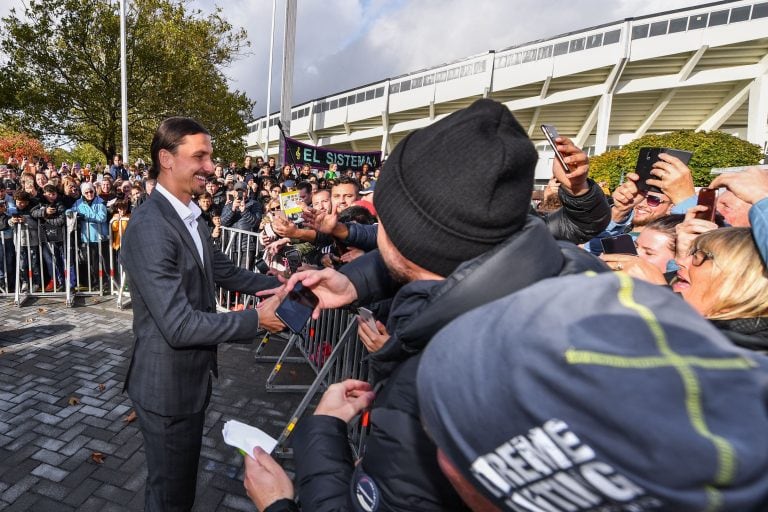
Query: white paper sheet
{"points": [[246, 437]]}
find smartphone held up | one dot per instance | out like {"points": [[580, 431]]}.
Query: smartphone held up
{"points": [[550, 133]]}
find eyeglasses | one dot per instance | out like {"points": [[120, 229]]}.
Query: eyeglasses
{"points": [[654, 201], [699, 256]]}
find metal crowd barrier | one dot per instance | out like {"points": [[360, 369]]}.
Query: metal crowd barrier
{"points": [[41, 261], [332, 349], [244, 249]]}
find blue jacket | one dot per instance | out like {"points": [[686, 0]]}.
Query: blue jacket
{"points": [[93, 220], [758, 218]]}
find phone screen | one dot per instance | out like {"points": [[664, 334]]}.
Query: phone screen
{"points": [[708, 198], [297, 307], [621, 244], [550, 132], [649, 156]]}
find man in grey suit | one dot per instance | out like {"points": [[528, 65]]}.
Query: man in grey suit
{"points": [[173, 269]]}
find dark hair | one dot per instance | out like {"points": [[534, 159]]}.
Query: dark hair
{"points": [[305, 186], [50, 188], [169, 135], [346, 180], [205, 195], [666, 225], [21, 195], [122, 204], [357, 214]]}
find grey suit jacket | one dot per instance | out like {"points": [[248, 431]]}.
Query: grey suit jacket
{"points": [[175, 323]]}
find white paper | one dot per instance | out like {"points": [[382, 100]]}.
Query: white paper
{"points": [[246, 437]]}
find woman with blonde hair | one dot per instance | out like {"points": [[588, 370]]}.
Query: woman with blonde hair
{"points": [[724, 279]]}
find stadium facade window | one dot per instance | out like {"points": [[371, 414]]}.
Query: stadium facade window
{"points": [[560, 48], [718, 18], [453, 73], [379, 92], [369, 95], [545, 52], [479, 67], [360, 97], [324, 106], [760, 10], [351, 100], [417, 82], [576, 45], [394, 88], [440, 76], [294, 116], [263, 125], [612, 37], [405, 86], [698, 21], [594, 40], [429, 79], [529, 55], [513, 60], [677, 25], [639, 31], [740, 14], [659, 28], [343, 102], [334, 105], [466, 70]]}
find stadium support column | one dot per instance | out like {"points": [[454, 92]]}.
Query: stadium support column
{"points": [[603, 122], [758, 111], [286, 96]]}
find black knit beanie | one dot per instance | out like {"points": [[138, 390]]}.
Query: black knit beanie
{"points": [[457, 188]]}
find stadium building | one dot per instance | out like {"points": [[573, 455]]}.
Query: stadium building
{"points": [[700, 68]]}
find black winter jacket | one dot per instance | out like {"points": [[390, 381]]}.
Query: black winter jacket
{"points": [[399, 470]]}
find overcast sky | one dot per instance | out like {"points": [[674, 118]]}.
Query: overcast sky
{"points": [[342, 44]]}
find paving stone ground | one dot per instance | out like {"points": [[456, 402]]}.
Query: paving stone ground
{"points": [[50, 354]]}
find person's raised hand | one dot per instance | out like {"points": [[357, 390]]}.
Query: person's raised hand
{"points": [[689, 229], [284, 227], [372, 339], [673, 177], [575, 182], [635, 267], [333, 289], [750, 186], [324, 222], [264, 480], [345, 400], [625, 197]]}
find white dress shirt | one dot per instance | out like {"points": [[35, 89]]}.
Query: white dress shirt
{"points": [[188, 214]]}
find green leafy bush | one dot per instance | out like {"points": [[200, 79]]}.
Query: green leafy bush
{"points": [[710, 149]]}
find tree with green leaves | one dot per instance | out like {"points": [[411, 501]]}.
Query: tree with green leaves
{"points": [[62, 79], [710, 149]]}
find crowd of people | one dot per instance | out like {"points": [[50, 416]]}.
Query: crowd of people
{"points": [[37, 196], [513, 365], [511, 369]]}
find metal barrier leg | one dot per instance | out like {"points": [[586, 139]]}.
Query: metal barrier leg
{"points": [[313, 389]]}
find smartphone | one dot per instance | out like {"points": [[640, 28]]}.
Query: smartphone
{"points": [[262, 266], [649, 156], [294, 311], [550, 132], [708, 198], [269, 230], [367, 317], [621, 244]]}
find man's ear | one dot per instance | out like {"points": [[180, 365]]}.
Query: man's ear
{"points": [[166, 159]]}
